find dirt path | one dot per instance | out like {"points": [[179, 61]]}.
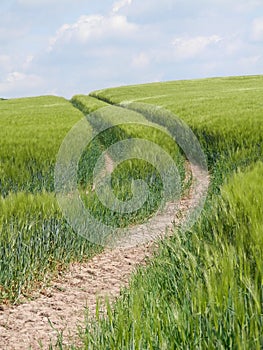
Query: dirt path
{"points": [[63, 303]]}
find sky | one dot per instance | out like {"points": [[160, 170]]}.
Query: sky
{"points": [[66, 47]]}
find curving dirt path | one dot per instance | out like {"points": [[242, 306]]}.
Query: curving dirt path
{"points": [[28, 326]]}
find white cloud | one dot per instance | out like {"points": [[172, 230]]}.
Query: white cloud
{"points": [[118, 5], [92, 28], [15, 76], [10, 65], [191, 47], [257, 29]]}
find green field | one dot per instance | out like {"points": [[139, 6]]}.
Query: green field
{"points": [[36, 240], [204, 287]]}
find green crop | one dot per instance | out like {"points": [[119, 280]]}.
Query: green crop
{"points": [[31, 131], [35, 238], [224, 113], [203, 289]]}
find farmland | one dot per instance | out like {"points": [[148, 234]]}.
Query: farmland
{"points": [[36, 240], [203, 288]]}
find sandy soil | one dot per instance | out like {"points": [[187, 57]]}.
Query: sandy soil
{"points": [[28, 326]]}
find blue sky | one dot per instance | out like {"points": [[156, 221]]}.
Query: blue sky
{"points": [[65, 47]]}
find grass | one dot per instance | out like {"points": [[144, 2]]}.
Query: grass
{"points": [[204, 287], [36, 239], [36, 242], [31, 131], [87, 104], [121, 125], [224, 113]]}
